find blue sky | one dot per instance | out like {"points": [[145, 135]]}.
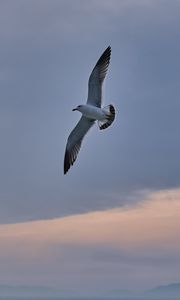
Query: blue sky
{"points": [[48, 49]]}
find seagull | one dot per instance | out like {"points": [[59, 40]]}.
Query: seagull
{"points": [[91, 111]]}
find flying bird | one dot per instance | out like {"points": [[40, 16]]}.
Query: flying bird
{"points": [[91, 111]]}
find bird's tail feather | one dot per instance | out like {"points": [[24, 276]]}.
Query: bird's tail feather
{"points": [[110, 111]]}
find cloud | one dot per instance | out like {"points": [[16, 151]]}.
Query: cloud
{"points": [[144, 237], [42, 22], [115, 228], [48, 45], [152, 222]]}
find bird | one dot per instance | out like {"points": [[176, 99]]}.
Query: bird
{"points": [[91, 111]]}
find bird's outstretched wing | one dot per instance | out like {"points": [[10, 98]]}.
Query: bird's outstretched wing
{"points": [[97, 77], [74, 141]]}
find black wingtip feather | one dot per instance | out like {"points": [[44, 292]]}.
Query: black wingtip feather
{"points": [[105, 57], [70, 157], [66, 162]]}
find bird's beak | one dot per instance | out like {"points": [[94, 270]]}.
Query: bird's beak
{"points": [[74, 109]]}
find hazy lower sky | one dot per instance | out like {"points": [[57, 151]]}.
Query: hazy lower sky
{"points": [[113, 221]]}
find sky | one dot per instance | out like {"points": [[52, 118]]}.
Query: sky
{"points": [[113, 221]]}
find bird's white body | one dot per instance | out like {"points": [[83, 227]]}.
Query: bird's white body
{"points": [[92, 112]]}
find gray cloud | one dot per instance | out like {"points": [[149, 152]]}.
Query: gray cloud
{"points": [[48, 50]]}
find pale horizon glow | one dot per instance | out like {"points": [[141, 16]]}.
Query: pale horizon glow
{"points": [[148, 229], [158, 208]]}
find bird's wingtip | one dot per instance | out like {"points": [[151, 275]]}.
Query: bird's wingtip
{"points": [[109, 48], [66, 163]]}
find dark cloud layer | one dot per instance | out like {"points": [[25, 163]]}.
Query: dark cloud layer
{"points": [[48, 50]]}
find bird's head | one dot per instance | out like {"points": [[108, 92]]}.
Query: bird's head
{"points": [[78, 108]]}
